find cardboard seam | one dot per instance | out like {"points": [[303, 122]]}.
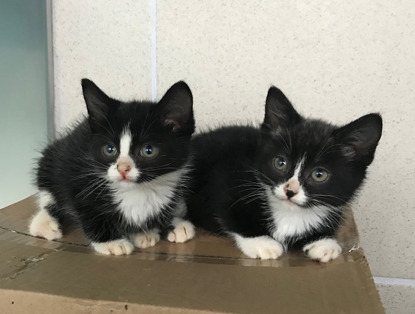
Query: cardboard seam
{"points": [[354, 255], [56, 241], [28, 264]]}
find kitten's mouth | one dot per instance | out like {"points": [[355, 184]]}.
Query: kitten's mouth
{"points": [[285, 199], [290, 202], [125, 180]]}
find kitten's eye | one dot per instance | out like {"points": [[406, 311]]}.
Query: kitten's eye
{"points": [[280, 163], [149, 151], [319, 175], [109, 150]]}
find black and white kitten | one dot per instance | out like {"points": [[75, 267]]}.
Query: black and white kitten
{"points": [[121, 173], [282, 186]]}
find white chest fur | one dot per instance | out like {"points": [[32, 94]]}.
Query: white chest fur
{"points": [[139, 202], [290, 220]]}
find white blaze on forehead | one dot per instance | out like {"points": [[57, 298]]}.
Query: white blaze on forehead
{"points": [[125, 143], [124, 163], [299, 168], [300, 197]]}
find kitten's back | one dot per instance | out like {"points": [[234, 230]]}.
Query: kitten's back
{"points": [[220, 158]]}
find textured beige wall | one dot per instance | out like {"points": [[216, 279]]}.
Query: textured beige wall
{"points": [[335, 60], [105, 41]]}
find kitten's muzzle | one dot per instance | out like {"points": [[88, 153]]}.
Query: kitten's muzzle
{"points": [[123, 167], [292, 187]]}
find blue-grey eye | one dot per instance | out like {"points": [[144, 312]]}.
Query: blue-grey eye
{"points": [[319, 175], [149, 151], [109, 150], [280, 163]]}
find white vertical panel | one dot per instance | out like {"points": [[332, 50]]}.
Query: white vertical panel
{"points": [[105, 41]]}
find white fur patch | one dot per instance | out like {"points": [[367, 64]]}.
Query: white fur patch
{"points": [[44, 199], [323, 250], [43, 224], [290, 220], [144, 240], [300, 198], [133, 173], [139, 202], [183, 231], [299, 168], [125, 143], [263, 247], [116, 247]]}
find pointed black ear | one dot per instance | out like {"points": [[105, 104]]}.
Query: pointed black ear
{"points": [[98, 104], [360, 138], [279, 112], [176, 107]]}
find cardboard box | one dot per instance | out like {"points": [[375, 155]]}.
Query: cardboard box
{"points": [[205, 275]]}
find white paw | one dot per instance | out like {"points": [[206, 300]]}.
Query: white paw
{"points": [[263, 247], [145, 240], [182, 232], [323, 250], [45, 226], [116, 247]]}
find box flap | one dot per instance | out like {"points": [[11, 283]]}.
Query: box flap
{"points": [[206, 274]]}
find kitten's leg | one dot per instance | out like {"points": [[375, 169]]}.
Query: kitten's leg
{"points": [[144, 240], [183, 230], [43, 224], [323, 250], [114, 247], [104, 235], [263, 247]]}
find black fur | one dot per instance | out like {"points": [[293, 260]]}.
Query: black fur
{"points": [[234, 166], [73, 169]]}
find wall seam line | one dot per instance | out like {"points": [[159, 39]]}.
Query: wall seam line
{"points": [[51, 72], [392, 281], [153, 41]]}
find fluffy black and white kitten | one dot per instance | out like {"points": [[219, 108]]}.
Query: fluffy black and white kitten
{"points": [[282, 186], [121, 173]]}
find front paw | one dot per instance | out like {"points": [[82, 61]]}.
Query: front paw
{"points": [[183, 231], [262, 247], [323, 250], [116, 247], [45, 226], [145, 240]]}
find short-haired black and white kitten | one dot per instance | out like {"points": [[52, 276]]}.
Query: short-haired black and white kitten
{"points": [[282, 186], [120, 173]]}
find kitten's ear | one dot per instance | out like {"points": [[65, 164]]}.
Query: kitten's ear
{"points": [[279, 112], [98, 104], [360, 138], [176, 107]]}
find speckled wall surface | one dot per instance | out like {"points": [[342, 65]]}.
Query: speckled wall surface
{"points": [[335, 60], [105, 41]]}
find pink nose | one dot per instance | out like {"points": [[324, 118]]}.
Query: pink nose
{"points": [[292, 187], [123, 168]]}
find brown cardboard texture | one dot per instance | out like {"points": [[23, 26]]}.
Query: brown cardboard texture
{"points": [[207, 274]]}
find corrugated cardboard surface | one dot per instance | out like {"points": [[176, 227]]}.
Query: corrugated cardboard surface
{"points": [[207, 274]]}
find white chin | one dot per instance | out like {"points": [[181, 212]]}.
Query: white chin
{"points": [[126, 182], [123, 183], [287, 202]]}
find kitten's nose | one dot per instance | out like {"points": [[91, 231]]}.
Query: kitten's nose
{"points": [[292, 187], [123, 167], [289, 193]]}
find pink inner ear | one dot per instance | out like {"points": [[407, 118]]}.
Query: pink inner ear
{"points": [[173, 123]]}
